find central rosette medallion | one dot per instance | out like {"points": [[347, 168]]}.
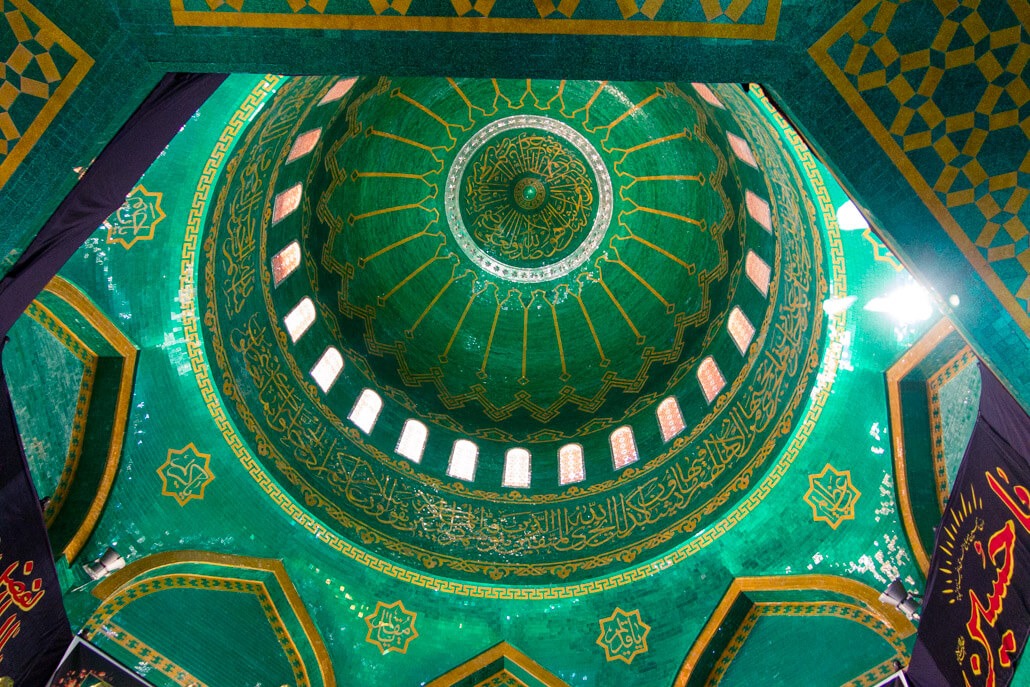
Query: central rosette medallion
{"points": [[528, 198]]}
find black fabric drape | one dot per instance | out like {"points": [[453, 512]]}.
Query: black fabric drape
{"points": [[103, 187], [976, 613], [34, 629]]}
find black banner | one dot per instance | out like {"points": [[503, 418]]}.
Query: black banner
{"points": [[976, 614], [34, 630], [86, 666]]}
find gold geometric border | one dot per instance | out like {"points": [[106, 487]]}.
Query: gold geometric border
{"points": [[147, 654], [502, 651], [898, 371], [53, 105], [766, 31], [820, 54], [864, 596], [937, 380], [143, 569], [809, 609], [200, 366], [42, 315], [78, 301]]}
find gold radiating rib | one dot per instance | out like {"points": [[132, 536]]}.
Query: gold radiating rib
{"points": [[397, 93], [468, 306], [618, 306], [645, 284], [663, 213], [396, 244], [658, 249], [557, 334], [432, 303], [385, 211], [490, 339], [415, 273], [590, 325]]}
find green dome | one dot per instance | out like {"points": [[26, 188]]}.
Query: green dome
{"points": [[539, 273], [515, 319]]}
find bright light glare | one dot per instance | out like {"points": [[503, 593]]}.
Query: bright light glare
{"points": [[909, 304], [835, 306], [850, 218]]}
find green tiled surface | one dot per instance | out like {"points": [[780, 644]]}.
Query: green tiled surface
{"points": [[55, 374], [236, 516], [959, 398], [167, 414]]}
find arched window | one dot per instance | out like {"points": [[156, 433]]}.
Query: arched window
{"points": [[670, 418], [517, 469], [366, 411], [741, 149], [570, 464], [710, 376], [741, 329], [300, 318], [304, 144], [413, 440], [327, 369], [624, 448], [705, 92], [758, 272], [759, 210], [286, 202], [338, 90], [285, 262], [463, 460]]}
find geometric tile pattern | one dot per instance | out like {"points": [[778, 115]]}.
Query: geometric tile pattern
{"points": [[942, 87], [832, 496], [749, 19], [41, 68], [391, 627], [623, 635]]}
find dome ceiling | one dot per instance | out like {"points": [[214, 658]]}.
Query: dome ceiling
{"points": [[577, 261], [527, 265]]}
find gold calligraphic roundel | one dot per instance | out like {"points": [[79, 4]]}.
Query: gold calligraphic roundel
{"points": [[528, 199]]}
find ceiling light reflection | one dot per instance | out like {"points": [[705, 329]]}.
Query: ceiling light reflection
{"points": [[907, 305]]}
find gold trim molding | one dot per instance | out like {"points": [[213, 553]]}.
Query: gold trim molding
{"points": [[502, 651], [146, 568], [864, 596], [78, 301], [721, 23], [895, 374]]}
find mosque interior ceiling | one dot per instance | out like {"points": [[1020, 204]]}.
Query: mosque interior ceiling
{"points": [[509, 374]]}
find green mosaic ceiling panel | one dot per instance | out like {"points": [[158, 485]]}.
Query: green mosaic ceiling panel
{"points": [[491, 355], [942, 89]]}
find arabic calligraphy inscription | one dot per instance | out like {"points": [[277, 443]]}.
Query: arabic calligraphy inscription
{"points": [[623, 635], [832, 496], [391, 627], [185, 474]]}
